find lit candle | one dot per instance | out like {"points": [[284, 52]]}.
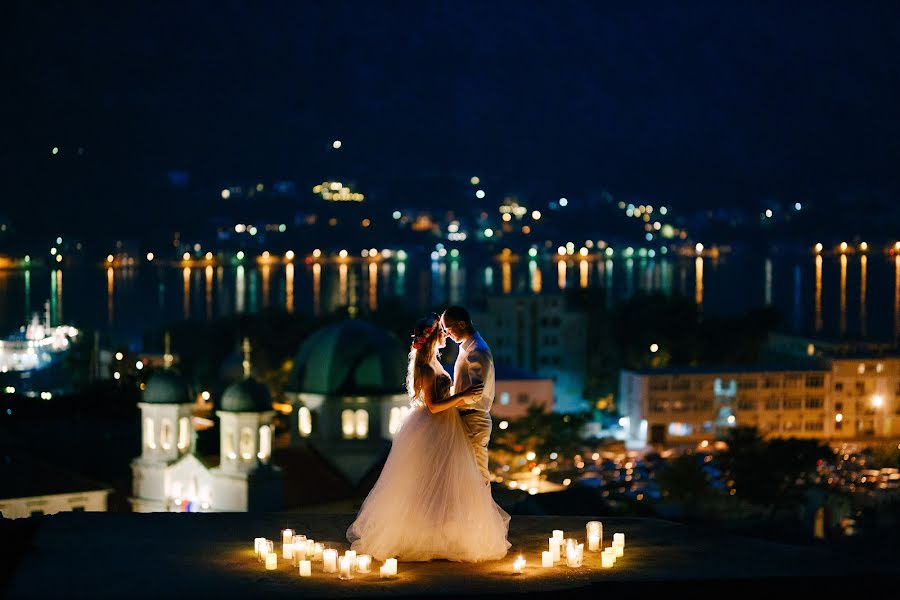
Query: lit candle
{"points": [[329, 557], [558, 534], [554, 548], [574, 553], [257, 544], [619, 537], [383, 572], [318, 551], [351, 556], [346, 567], [594, 543], [619, 549], [391, 564], [287, 536], [271, 561], [518, 565], [594, 528], [607, 560], [300, 547], [265, 547], [287, 551], [363, 563], [546, 559], [305, 568]]}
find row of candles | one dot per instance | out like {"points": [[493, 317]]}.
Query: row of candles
{"points": [[302, 552], [575, 551]]}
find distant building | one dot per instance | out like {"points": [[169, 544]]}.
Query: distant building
{"points": [[541, 334], [29, 488], [168, 477], [518, 390], [348, 395], [850, 399]]}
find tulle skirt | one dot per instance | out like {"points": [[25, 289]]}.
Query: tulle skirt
{"points": [[430, 500]]}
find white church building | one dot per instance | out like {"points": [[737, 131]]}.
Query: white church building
{"points": [[168, 477]]}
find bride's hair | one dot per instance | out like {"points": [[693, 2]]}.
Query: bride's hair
{"points": [[421, 353]]}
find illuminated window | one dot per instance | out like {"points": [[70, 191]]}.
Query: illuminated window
{"points": [[362, 424], [680, 429], [149, 440], [184, 433], [165, 434], [228, 446], [246, 443], [504, 398], [347, 424], [265, 443], [304, 421]]}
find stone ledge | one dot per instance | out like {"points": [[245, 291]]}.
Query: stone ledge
{"points": [[200, 555]]}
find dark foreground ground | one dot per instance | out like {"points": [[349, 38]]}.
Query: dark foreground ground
{"points": [[211, 555]]}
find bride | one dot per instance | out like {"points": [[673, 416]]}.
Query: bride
{"points": [[430, 500]]}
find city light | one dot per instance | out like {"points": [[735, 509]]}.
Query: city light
{"points": [[797, 206], [117, 375], [396, 215], [240, 255], [53, 251], [59, 258], [838, 417], [731, 419], [342, 254], [59, 240], [226, 194], [863, 246], [150, 256], [240, 228], [488, 232], [583, 251], [563, 202], [506, 217], [186, 256], [475, 180], [699, 248], [205, 395], [536, 215], [316, 253], [818, 247], [479, 194], [209, 256], [843, 246], [768, 213], [561, 250], [654, 347], [609, 251], [503, 424], [532, 252], [55, 151], [530, 455], [109, 258], [138, 365], [119, 356], [554, 456], [877, 401], [336, 144]]}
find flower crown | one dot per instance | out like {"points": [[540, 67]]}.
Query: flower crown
{"points": [[419, 340]]}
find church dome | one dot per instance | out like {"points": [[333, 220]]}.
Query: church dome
{"points": [[351, 358], [247, 395], [166, 388]]}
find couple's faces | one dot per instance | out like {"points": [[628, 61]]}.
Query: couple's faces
{"points": [[448, 332]]}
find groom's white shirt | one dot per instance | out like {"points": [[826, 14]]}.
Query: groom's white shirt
{"points": [[475, 364]]}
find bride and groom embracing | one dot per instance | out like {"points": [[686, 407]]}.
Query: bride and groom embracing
{"points": [[433, 497]]}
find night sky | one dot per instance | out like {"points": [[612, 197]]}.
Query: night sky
{"points": [[693, 104]]}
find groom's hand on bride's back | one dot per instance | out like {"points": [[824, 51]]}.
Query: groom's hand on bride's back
{"points": [[472, 393]]}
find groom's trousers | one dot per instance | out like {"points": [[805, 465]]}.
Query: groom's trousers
{"points": [[478, 428]]}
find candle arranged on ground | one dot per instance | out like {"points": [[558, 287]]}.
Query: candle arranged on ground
{"points": [[318, 550], [619, 538], [299, 548], [363, 563], [351, 556], [594, 531], [619, 550], [287, 536], [305, 568], [607, 560], [558, 534], [546, 559], [346, 567], [265, 547], [554, 548], [574, 553], [287, 551], [329, 558], [391, 566], [271, 561], [518, 565], [257, 545]]}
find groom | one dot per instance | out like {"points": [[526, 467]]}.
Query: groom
{"points": [[474, 365]]}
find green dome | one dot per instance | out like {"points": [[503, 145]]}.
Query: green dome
{"points": [[247, 395], [166, 388], [352, 358]]}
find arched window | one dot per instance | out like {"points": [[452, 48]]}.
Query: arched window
{"points": [[265, 443], [246, 443], [347, 424], [184, 433], [165, 434], [149, 439], [228, 446], [362, 423], [304, 421]]}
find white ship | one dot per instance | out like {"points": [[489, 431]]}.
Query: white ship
{"points": [[36, 345]]}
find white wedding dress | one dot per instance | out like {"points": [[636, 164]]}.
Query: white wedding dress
{"points": [[430, 500]]}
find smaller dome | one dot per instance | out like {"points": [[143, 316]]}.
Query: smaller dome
{"points": [[166, 388], [247, 395]]}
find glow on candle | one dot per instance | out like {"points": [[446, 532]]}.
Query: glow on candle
{"points": [[346, 567], [351, 555], [518, 566], [329, 558], [287, 536], [318, 550], [558, 534], [619, 537], [257, 544], [265, 547], [594, 543], [546, 559], [594, 528], [287, 551], [554, 548], [363, 563], [391, 565], [619, 549], [305, 568], [607, 560], [300, 546], [271, 561]]}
